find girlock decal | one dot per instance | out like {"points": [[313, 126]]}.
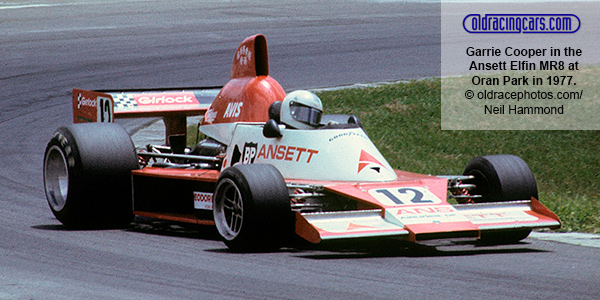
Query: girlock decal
{"points": [[83, 101], [165, 99]]}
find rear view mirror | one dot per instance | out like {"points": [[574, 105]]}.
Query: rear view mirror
{"points": [[271, 129]]}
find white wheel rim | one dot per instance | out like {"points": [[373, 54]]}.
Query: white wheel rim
{"points": [[56, 178], [228, 209]]}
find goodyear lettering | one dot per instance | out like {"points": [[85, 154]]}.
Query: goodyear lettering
{"points": [[289, 153], [233, 110], [64, 142], [346, 134], [165, 99]]}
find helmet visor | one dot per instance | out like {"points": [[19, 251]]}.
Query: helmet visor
{"points": [[305, 114]]}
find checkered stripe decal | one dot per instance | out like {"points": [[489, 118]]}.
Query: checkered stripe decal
{"points": [[202, 197], [124, 101]]}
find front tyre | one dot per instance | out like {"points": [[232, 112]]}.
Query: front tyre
{"points": [[252, 209], [500, 178], [87, 175]]}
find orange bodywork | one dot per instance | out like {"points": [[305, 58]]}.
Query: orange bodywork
{"points": [[180, 174], [250, 90]]}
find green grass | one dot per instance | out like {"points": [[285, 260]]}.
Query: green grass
{"points": [[403, 120], [192, 135]]}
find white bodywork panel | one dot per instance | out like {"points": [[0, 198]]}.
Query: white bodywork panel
{"points": [[320, 154], [219, 132]]}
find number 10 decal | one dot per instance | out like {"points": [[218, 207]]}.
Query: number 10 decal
{"points": [[404, 196], [105, 109]]}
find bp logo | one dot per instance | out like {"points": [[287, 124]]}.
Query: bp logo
{"points": [[249, 153], [246, 156]]}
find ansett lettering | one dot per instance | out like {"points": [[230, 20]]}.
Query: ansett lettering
{"points": [[289, 153], [164, 99]]}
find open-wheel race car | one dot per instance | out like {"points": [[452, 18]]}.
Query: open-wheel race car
{"points": [[272, 167]]}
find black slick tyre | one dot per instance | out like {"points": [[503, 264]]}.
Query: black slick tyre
{"points": [[251, 208], [501, 178], [87, 175]]}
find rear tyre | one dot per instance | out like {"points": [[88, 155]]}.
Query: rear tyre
{"points": [[500, 178], [252, 209], [87, 175]]}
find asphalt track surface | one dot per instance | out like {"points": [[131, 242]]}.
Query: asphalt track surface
{"points": [[49, 47]]}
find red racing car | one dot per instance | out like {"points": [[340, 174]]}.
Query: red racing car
{"points": [[272, 166]]}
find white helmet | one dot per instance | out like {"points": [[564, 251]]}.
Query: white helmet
{"points": [[301, 109]]}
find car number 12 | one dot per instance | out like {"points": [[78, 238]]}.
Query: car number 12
{"points": [[105, 110], [404, 196]]}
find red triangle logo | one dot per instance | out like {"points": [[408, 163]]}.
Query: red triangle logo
{"points": [[354, 226], [365, 159]]}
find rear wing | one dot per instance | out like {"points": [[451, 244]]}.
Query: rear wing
{"points": [[173, 105], [107, 105]]}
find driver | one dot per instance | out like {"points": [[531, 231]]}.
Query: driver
{"points": [[301, 110]]}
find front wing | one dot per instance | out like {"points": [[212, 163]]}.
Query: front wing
{"points": [[426, 221]]}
